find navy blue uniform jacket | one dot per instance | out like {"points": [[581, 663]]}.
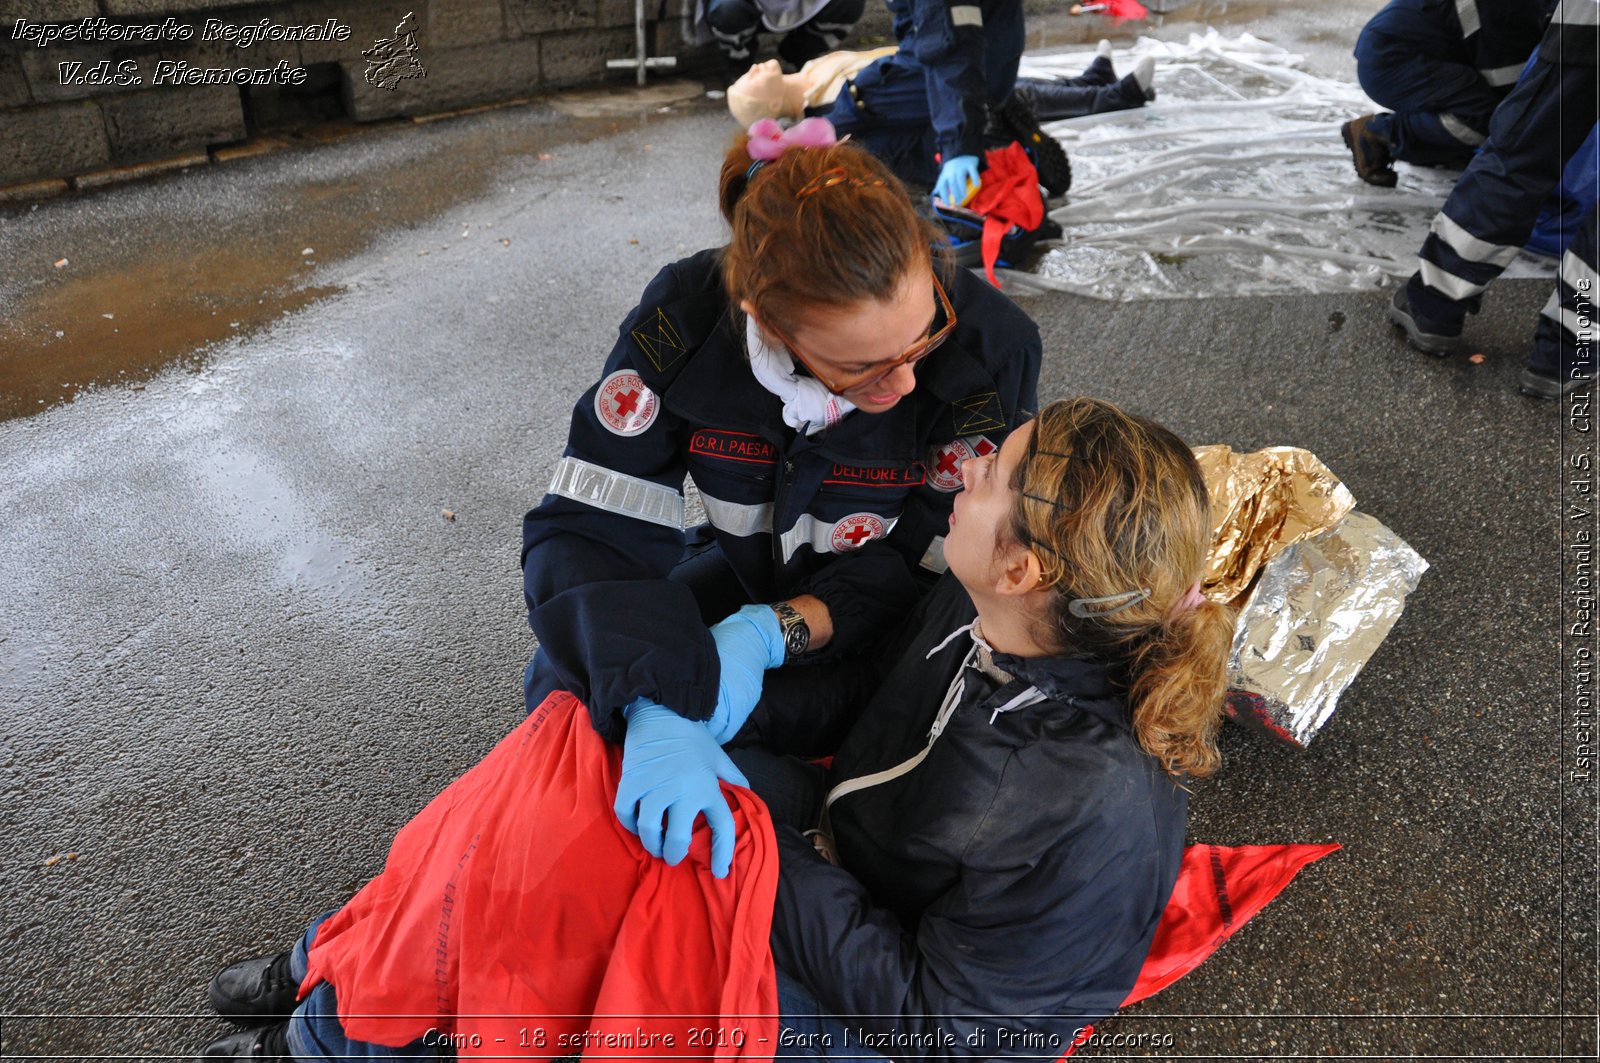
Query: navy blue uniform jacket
{"points": [[1005, 890], [1494, 36], [848, 515], [969, 51]]}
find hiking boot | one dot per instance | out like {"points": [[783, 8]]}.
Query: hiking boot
{"points": [[1370, 151], [1424, 335], [255, 991], [264, 1043], [1016, 118], [1547, 386]]}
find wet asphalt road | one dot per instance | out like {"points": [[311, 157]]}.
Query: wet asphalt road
{"points": [[241, 642]]}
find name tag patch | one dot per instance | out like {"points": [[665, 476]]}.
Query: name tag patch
{"points": [[871, 476], [735, 446]]}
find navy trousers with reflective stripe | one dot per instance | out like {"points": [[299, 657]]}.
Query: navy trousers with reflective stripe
{"points": [[1494, 205], [1563, 342], [1441, 109]]}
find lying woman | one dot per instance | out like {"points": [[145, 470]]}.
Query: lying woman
{"points": [[1005, 818]]}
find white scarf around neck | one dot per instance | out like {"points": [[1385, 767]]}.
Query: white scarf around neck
{"points": [[807, 406]]}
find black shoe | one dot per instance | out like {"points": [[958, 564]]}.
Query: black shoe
{"points": [[255, 991], [1426, 336], [1370, 152], [1017, 120], [1545, 386], [266, 1042]]}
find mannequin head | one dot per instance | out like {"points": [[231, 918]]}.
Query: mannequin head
{"points": [[764, 91]]}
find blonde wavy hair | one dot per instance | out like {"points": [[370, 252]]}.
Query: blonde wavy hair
{"points": [[1113, 503]]}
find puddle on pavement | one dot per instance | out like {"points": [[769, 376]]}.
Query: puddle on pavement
{"points": [[107, 319]]}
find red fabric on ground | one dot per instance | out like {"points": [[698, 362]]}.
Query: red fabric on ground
{"points": [[1009, 195], [1218, 890], [515, 905]]}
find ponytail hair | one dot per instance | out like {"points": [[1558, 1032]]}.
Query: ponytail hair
{"points": [[817, 226], [1118, 514]]}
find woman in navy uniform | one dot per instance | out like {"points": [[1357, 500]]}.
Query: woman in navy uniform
{"points": [[821, 378], [1005, 820]]}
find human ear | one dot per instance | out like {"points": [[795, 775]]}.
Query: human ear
{"points": [[1020, 572]]}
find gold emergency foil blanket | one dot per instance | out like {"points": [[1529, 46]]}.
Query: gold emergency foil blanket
{"points": [[1319, 611], [1261, 504]]}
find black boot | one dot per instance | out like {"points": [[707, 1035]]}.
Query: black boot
{"points": [[263, 1043], [255, 991]]}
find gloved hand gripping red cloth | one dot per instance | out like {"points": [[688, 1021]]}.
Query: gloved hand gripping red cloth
{"points": [[1008, 196], [515, 905]]}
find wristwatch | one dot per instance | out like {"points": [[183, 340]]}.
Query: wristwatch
{"points": [[796, 634]]}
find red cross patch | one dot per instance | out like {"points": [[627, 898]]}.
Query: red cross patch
{"points": [[625, 406], [944, 463], [856, 530]]}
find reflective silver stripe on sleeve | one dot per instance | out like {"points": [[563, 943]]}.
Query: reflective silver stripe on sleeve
{"points": [[819, 534], [616, 492], [966, 15], [1577, 13], [1470, 247], [1460, 130], [736, 518], [933, 557], [1578, 274], [1501, 75], [1467, 12], [1448, 283]]}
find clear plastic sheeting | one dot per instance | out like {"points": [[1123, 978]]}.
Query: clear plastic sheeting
{"points": [[1234, 181]]}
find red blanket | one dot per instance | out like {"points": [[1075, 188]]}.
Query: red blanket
{"points": [[515, 916]]}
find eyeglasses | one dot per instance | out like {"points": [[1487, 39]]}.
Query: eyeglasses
{"points": [[910, 356]]}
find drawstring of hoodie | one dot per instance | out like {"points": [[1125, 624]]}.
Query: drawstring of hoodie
{"points": [[974, 659]]}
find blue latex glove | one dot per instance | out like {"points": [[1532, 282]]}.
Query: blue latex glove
{"points": [[958, 180], [748, 643], [670, 768]]}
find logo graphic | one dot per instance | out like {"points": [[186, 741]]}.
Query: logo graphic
{"points": [[856, 530], [392, 60], [978, 413], [660, 342], [626, 407], [944, 466]]}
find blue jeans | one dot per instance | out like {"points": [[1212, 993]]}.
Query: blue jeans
{"points": [[314, 1030]]}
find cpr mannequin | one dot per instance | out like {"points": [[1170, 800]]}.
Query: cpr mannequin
{"points": [[765, 91]]}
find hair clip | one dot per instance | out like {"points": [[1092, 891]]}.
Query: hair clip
{"points": [[1126, 599], [832, 178]]}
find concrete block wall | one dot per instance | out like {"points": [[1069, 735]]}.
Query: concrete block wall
{"points": [[474, 52]]}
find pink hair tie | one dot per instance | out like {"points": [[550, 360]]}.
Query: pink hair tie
{"points": [[769, 140], [1192, 597]]}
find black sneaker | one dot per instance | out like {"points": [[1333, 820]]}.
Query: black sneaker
{"points": [[1370, 152], [263, 1043], [255, 991], [1421, 333], [1017, 119], [1546, 386]]}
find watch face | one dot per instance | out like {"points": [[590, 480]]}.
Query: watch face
{"points": [[796, 640]]}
